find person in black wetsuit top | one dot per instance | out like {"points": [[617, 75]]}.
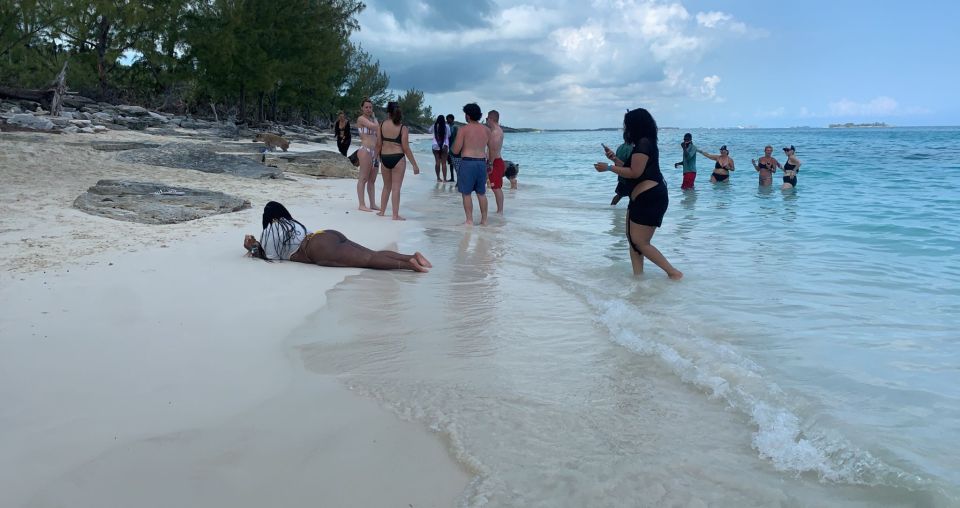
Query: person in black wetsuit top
{"points": [[647, 190], [723, 165], [790, 168]]}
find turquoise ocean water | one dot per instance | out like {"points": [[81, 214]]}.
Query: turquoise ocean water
{"points": [[810, 356]]}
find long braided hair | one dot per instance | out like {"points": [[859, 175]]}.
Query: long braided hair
{"points": [[275, 212], [440, 130]]}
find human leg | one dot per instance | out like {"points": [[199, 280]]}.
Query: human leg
{"points": [[468, 208], [443, 162], [387, 187], [640, 237], [636, 258], [396, 182], [366, 166], [497, 170], [436, 163], [332, 248], [482, 198], [372, 184]]}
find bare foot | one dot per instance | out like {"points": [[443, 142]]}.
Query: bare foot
{"points": [[483, 223], [380, 213], [364, 209], [373, 207], [677, 275], [499, 212], [417, 266], [468, 223], [397, 217], [422, 260]]}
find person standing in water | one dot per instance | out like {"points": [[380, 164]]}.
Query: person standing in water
{"points": [[393, 147], [689, 161], [441, 143], [723, 166], [341, 129], [497, 167], [618, 158], [367, 179], [473, 140], [648, 191], [453, 159], [790, 168], [766, 167]]}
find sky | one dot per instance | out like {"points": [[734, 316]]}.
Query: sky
{"points": [[736, 63]]}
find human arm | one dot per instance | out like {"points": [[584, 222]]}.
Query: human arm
{"points": [[707, 155], [406, 150], [458, 143], [379, 139], [754, 162], [638, 162], [732, 165]]}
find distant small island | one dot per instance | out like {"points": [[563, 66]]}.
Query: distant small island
{"points": [[850, 125]]}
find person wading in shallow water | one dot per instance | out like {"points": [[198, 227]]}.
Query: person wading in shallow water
{"points": [[648, 191], [453, 159], [473, 139], [497, 166], [766, 167]]}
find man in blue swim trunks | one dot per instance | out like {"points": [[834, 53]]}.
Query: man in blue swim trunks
{"points": [[473, 141]]}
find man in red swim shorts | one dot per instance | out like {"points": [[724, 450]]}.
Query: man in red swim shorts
{"points": [[497, 167]]}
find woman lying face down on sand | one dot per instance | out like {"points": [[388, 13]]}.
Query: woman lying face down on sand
{"points": [[285, 238]]}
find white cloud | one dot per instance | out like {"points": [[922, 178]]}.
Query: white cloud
{"points": [[711, 19], [879, 106], [591, 57]]}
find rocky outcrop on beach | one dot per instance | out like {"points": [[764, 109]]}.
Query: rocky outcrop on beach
{"points": [[83, 115], [200, 158], [154, 203], [320, 163]]}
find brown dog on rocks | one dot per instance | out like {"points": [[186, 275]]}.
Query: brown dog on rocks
{"points": [[272, 141]]}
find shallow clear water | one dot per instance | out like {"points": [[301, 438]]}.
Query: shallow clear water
{"points": [[809, 357]]}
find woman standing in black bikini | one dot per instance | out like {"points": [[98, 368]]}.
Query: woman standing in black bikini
{"points": [[723, 166], [647, 190], [392, 145], [790, 168], [766, 167]]}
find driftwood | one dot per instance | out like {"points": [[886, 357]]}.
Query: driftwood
{"points": [[59, 90], [26, 94]]}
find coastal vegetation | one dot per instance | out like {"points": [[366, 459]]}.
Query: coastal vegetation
{"points": [[851, 125], [250, 60]]}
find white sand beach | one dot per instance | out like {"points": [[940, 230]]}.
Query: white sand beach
{"points": [[145, 365]]}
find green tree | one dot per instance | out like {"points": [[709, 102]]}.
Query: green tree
{"points": [[414, 109], [364, 79]]}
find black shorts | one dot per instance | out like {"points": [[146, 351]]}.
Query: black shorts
{"points": [[649, 207]]}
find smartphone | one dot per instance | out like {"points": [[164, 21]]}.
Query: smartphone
{"points": [[605, 147]]}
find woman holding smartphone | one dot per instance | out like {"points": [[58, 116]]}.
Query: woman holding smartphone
{"points": [[766, 167], [646, 188]]}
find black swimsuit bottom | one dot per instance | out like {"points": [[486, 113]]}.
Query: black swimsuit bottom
{"points": [[792, 180], [390, 160], [720, 178]]}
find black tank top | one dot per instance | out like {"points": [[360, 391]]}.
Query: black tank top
{"points": [[649, 148]]}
